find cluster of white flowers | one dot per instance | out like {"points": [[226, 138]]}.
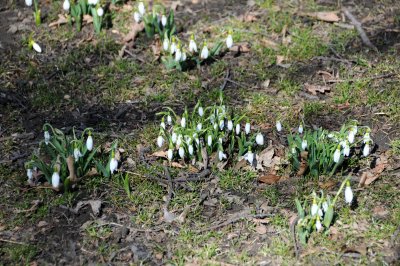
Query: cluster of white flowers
{"points": [[211, 127]]}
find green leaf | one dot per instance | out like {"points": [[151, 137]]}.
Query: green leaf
{"points": [[328, 217], [300, 209]]}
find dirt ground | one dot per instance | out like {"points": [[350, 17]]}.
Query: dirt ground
{"points": [[228, 217]]}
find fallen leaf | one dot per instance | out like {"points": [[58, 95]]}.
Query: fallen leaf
{"points": [[264, 158], [316, 88], [88, 19], [162, 154], [94, 204], [261, 229], [61, 20], [240, 164], [330, 16], [42, 224], [175, 5], [249, 17], [280, 59], [156, 48], [270, 44], [241, 48], [360, 249], [168, 216], [370, 176], [262, 221], [327, 185], [135, 29], [380, 212], [269, 179], [176, 165]]}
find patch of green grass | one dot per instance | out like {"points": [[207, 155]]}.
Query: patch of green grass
{"points": [[277, 247], [395, 146], [305, 45], [18, 254], [272, 194], [236, 180], [290, 87]]}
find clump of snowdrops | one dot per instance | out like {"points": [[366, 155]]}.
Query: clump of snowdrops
{"points": [[322, 151], [36, 12], [318, 216], [208, 130], [64, 159]]}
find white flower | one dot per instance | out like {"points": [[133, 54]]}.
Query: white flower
{"points": [[204, 52], [190, 148], [160, 141], [304, 144], [209, 140], [336, 155], [318, 225], [169, 120], [201, 111], [221, 124], [93, 2], [221, 155], [141, 8], [77, 154], [199, 126], [229, 41], [278, 126], [66, 5], [46, 137], [29, 174], [165, 44], [183, 122], [366, 138], [260, 139], [215, 125], [173, 47], [181, 152], [162, 125], [230, 125], [294, 150], [136, 17], [237, 129], [351, 136], [197, 141], [366, 150], [55, 180], [36, 47], [89, 143], [300, 129], [183, 57], [170, 154], [173, 137], [220, 140], [179, 140], [28, 2], [249, 157], [163, 20], [178, 55], [247, 128], [330, 135], [100, 12], [192, 46], [325, 206], [314, 208], [346, 150], [320, 213], [113, 165], [348, 194]]}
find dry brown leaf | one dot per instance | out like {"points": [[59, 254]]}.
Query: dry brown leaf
{"points": [[176, 165], [330, 16], [269, 179], [380, 212], [261, 229], [250, 17], [241, 48], [280, 59], [175, 5], [327, 185], [156, 48], [316, 88], [135, 29], [127, 7], [88, 19], [240, 164], [162, 154], [370, 176], [270, 44], [61, 20]]}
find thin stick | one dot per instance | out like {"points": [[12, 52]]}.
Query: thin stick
{"points": [[359, 28], [12, 242]]}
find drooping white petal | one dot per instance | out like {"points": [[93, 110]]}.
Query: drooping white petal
{"points": [[346, 150], [325, 206], [100, 12], [221, 124], [190, 148], [174, 137], [183, 122], [165, 44], [36, 47], [29, 174], [160, 141], [260, 139], [89, 143], [204, 52], [66, 5], [141, 8], [250, 157], [366, 150], [181, 152], [192, 46], [318, 225], [178, 55], [351, 136], [169, 120], [230, 125], [229, 41], [173, 47], [199, 126], [300, 129], [221, 155], [136, 17], [179, 140], [170, 154], [278, 126], [163, 20], [348, 194], [336, 155], [314, 209], [77, 154], [28, 2], [237, 129], [162, 125], [304, 144], [209, 140], [46, 137], [113, 165], [55, 180], [247, 128], [201, 111]]}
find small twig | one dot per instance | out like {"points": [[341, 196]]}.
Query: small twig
{"points": [[12, 242], [170, 187], [359, 79], [293, 231], [359, 28], [222, 87]]}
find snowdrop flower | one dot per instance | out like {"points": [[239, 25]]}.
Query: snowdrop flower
{"points": [[199, 127], [141, 8], [221, 124], [197, 141], [249, 156], [320, 213], [190, 148], [260, 139], [46, 137], [215, 126], [100, 12], [165, 44], [89, 142], [346, 149], [160, 141], [351, 136], [55, 179], [237, 129], [179, 140], [174, 137], [183, 57], [304, 144], [314, 207], [366, 149], [201, 111], [29, 173], [93, 2], [181, 152], [209, 140], [77, 154], [169, 120], [229, 41], [172, 47], [366, 137], [230, 125], [113, 163], [178, 54], [336, 155], [294, 150], [348, 193], [247, 128], [183, 122], [66, 5], [300, 129], [136, 17], [278, 126], [36, 47], [162, 124], [318, 224], [325, 206], [28, 2], [164, 20], [204, 51], [192, 45], [170, 154], [221, 155]]}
